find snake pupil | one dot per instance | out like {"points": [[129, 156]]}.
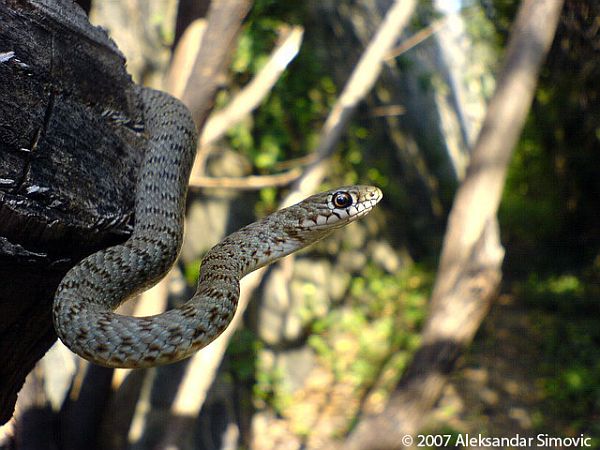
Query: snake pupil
{"points": [[342, 200]]}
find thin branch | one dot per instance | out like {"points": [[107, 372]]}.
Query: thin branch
{"points": [[295, 162], [248, 183], [424, 34], [255, 92], [359, 84], [417, 38]]}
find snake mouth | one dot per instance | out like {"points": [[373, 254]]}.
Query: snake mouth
{"points": [[368, 207], [367, 204]]}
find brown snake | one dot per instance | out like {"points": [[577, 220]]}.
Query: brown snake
{"points": [[92, 289]]}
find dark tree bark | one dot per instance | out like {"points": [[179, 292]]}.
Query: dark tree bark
{"points": [[86, 5], [70, 145]]}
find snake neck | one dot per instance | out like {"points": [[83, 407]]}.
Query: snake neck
{"points": [[257, 245]]}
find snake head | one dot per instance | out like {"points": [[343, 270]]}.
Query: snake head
{"points": [[338, 207]]}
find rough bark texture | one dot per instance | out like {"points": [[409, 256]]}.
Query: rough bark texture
{"points": [[69, 150], [470, 264]]}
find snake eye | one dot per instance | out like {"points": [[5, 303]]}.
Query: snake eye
{"points": [[342, 199]]}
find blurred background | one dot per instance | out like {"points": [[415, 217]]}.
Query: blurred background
{"points": [[329, 334]]}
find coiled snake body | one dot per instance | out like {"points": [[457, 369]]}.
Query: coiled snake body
{"points": [[91, 290]]}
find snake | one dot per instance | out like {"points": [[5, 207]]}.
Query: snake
{"points": [[85, 300]]}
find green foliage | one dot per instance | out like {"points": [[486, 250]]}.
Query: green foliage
{"points": [[288, 123], [365, 343], [567, 310], [192, 272], [528, 210], [269, 388], [285, 125], [241, 352], [378, 327]]}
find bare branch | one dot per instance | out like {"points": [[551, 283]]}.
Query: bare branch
{"points": [[420, 36], [255, 92], [417, 38], [358, 86], [249, 183], [250, 97], [469, 271]]}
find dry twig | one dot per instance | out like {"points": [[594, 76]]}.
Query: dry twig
{"points": [[249, 183]]}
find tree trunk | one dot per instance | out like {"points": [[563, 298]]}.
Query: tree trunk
{"points": [[470, 264], [70, 145]]}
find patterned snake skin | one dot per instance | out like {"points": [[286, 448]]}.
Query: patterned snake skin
{"points": [[91, 290]]}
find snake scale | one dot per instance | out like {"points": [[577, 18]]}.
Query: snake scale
{"points": [[86, 297]]}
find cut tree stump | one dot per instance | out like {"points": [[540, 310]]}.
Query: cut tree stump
{"points": [[70, 146]]}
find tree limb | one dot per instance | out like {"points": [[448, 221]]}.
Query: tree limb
{"points": [[255, 92], [224, 21], [251, 182], [359, 84]]}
